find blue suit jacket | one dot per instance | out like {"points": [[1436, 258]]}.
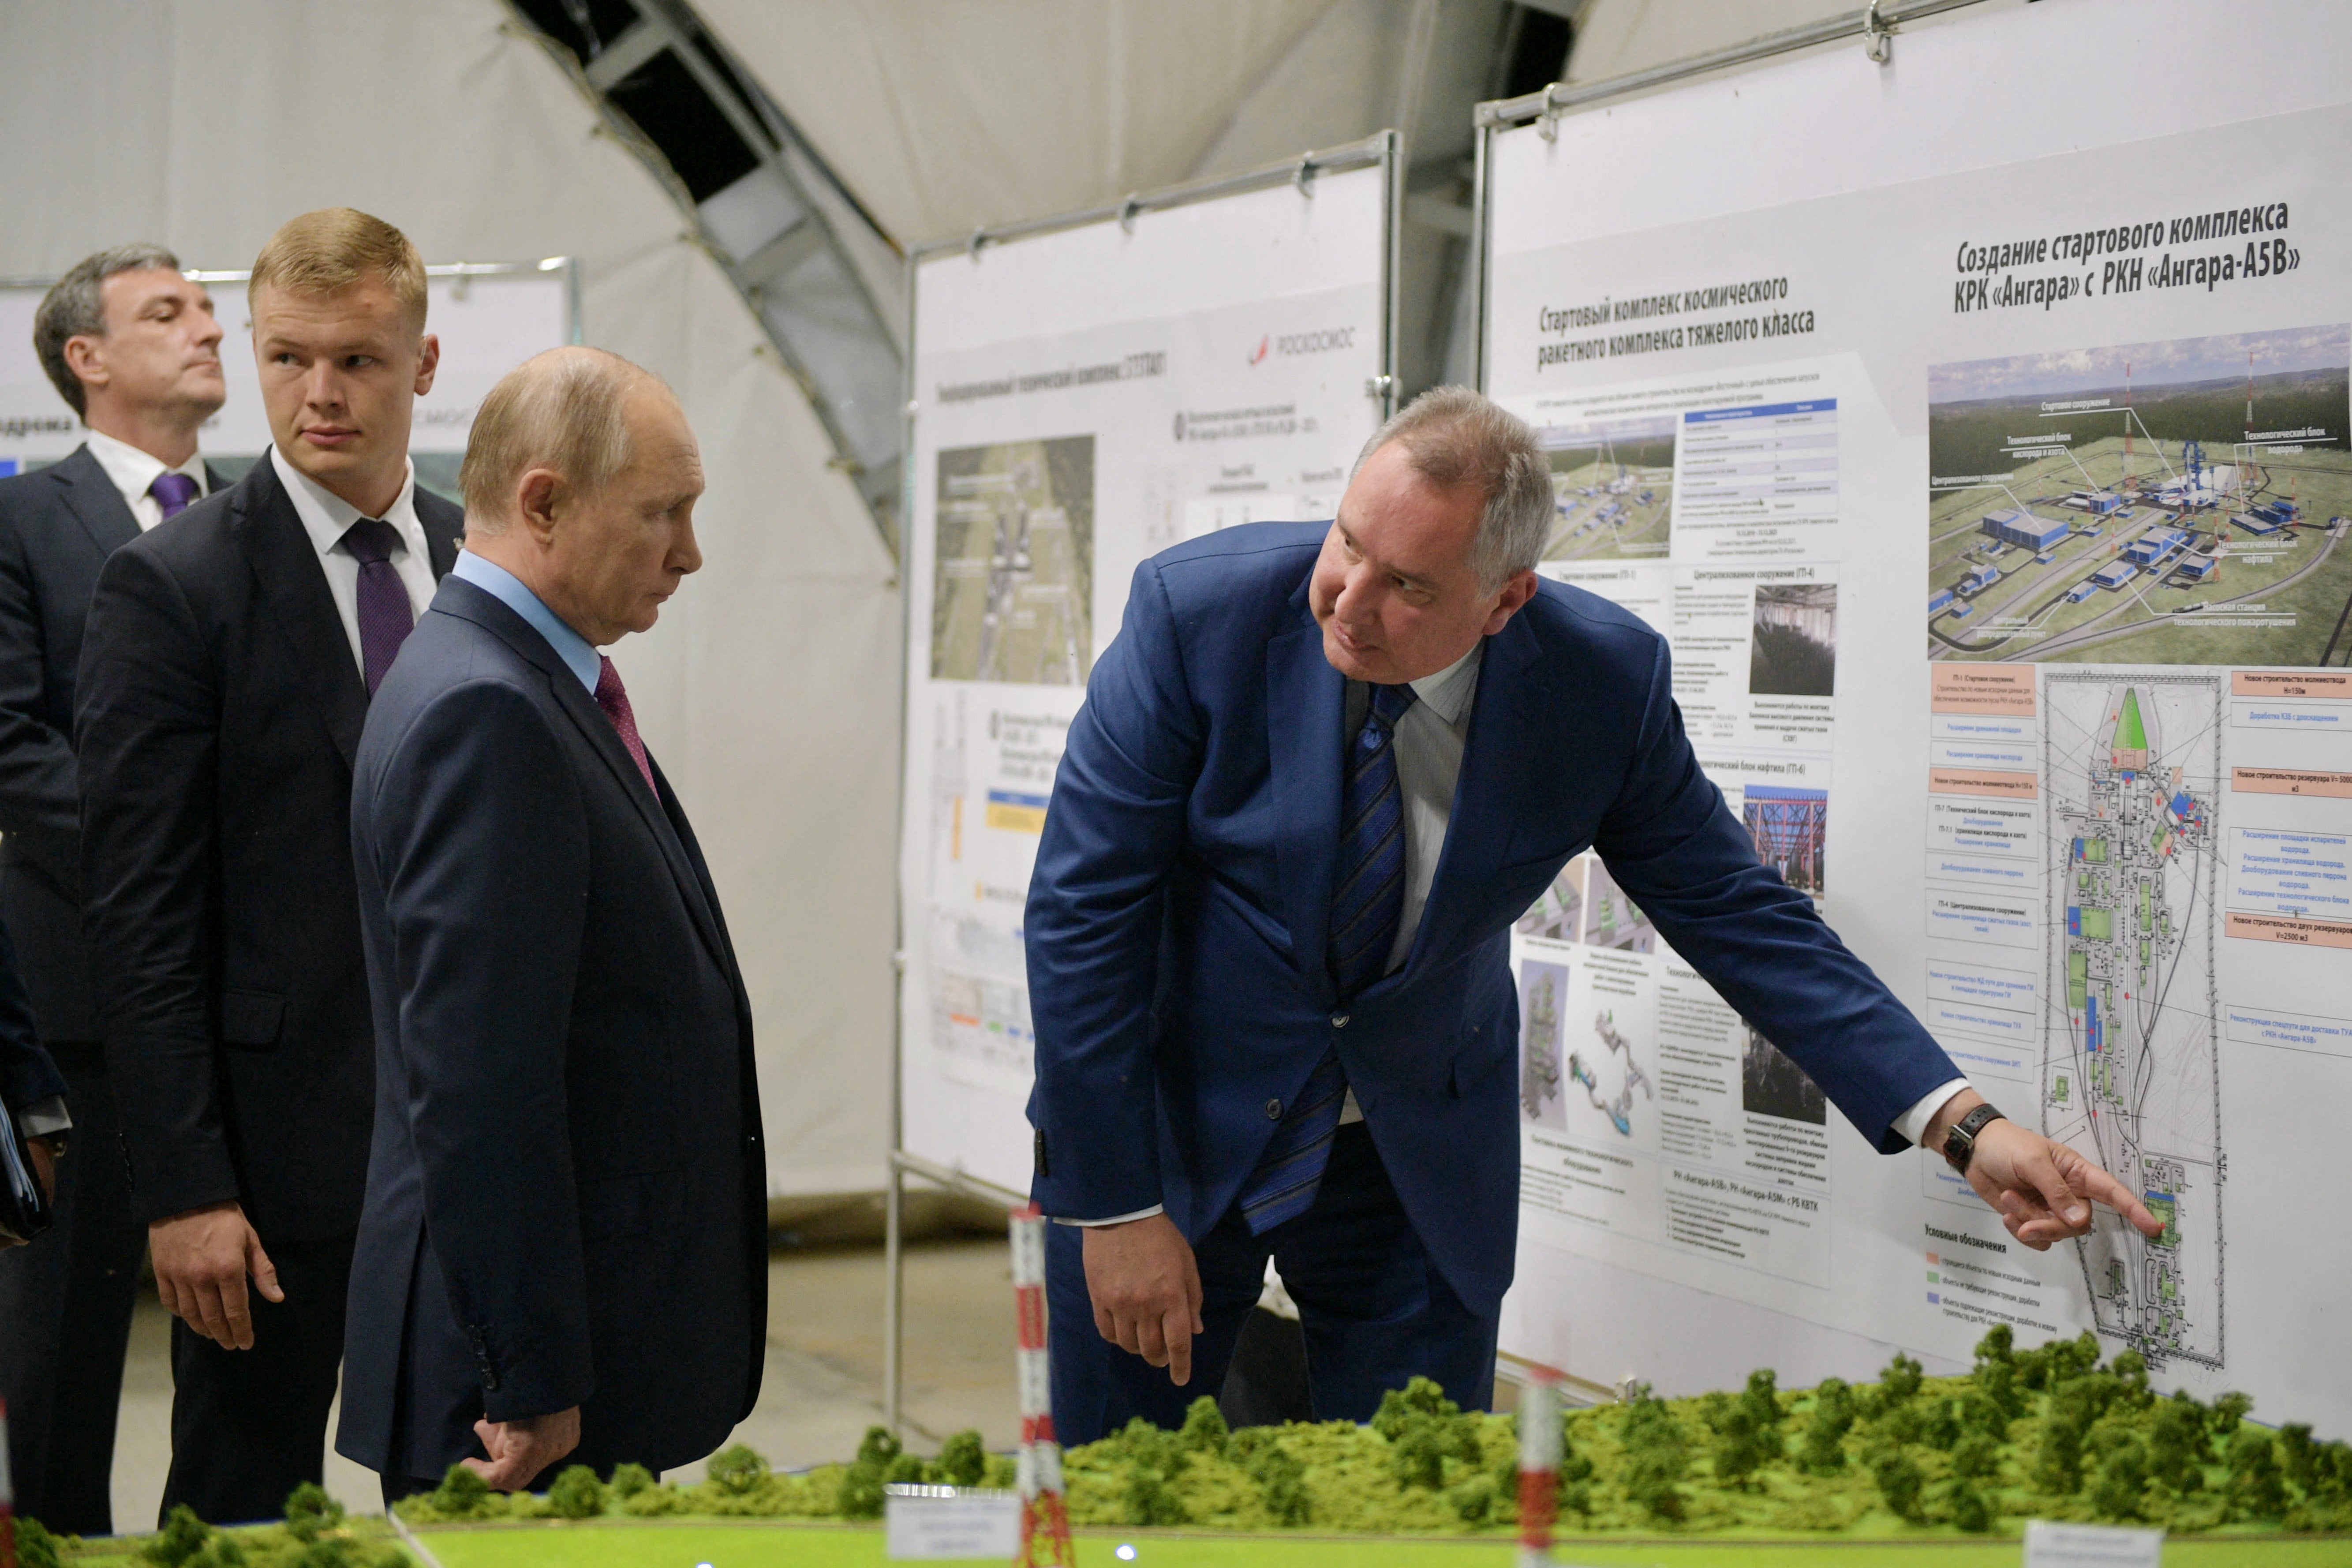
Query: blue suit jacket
{"points": [[1177, 918], [566, 1194]]}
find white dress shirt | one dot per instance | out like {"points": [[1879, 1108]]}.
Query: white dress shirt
{"points": [[1430, 736], [133, 471], [327, 517]]}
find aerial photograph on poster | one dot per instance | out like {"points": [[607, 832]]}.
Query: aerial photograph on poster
{"points": [[1013, 580], [1612, 489], [2176, 502]]}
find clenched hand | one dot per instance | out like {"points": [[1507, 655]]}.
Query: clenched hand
{"points": [[521, 1449]]}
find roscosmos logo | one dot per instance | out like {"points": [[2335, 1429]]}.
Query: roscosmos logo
{"points": [[1323, 341]]}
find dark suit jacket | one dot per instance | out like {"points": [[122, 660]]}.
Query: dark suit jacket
{"points": [[1177, 918], [567, 1133], [218, 712], [28, 1076], [57, 526]]}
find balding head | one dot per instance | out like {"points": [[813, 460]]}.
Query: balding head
{"points": [[564, 411], [580, 477]]}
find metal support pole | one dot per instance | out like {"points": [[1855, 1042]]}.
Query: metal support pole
{"points": [[894, 1296]]}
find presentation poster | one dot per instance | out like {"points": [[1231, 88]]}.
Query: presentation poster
{"points": [[488, 322], [2067, 360], [1083, 400]]}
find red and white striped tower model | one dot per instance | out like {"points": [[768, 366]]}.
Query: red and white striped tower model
{"points": [[1538, 1464], [1044, 1511]]}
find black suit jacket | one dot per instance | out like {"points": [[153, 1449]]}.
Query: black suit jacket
{"points": [[566, 1199], [218, 712], [57, 526]]}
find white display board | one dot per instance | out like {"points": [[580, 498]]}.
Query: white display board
{"points": [[489, 317], [1082, 399], [2040, 326]]}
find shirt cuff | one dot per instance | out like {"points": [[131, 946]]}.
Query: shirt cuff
{"points": [[1115, 1219], [44, 1117], [1913, 1123]]}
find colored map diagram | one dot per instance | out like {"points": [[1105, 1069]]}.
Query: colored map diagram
{"points": [[1612, 490], [1013, 598], [2130, 1071]]}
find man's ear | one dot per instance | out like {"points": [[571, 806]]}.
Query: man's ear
{"points": [[86, 360], [428, 360], [540, 497], [1517, 589]]}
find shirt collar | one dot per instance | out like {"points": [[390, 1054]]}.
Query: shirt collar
{"points": [[134, 472], [327, 517], [1448, 692], [579, 655]]}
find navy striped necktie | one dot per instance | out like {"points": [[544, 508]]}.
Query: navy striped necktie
{"points": [[1366, 907]]}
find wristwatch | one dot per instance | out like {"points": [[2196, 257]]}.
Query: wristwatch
{"points": [[1960, 1138]]}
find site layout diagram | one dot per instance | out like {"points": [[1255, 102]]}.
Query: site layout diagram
{"points": [[2130, 1066], [2176, 502], [1013, 596]]}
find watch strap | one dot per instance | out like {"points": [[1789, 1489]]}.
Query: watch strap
{"points": [[1960, 1140]]}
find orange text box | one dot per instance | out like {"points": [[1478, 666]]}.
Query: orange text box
{"points": [[2290, 928], [1981, 689], [2290, 781], [2327, 685], [1980, 781]]}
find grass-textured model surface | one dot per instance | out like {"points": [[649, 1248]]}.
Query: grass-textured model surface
{"points": [[314, 1534], [2048, 1433]]}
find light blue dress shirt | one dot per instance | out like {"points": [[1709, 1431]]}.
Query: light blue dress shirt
{"points": [[578, 654]]}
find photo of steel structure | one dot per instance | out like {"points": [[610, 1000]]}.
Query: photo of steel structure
{"points": [[2180, 502], [1790, 827], [1794, 651], [1772, 1085]]}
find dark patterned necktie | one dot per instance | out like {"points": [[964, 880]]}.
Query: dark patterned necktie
{"points": [[1366, 911], [386, 617], [614, 699], [173, 493]]}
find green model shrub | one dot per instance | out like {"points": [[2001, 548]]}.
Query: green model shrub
{"points": [[576, 1494]]}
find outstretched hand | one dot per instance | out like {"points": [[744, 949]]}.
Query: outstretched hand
{"points": [[2042, 1189], [1146, 1290]]}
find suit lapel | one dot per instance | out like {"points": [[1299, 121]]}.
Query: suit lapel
{"points": [[1305, 709], [443, 525], [485, 610], [1478, 825], [263, 522], [96, 504]]}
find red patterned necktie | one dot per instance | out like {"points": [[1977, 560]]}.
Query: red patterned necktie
{"points": [[614, 700]]}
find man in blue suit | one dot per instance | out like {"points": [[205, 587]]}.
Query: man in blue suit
{"points": [[562, 1255], [1317, 776]]}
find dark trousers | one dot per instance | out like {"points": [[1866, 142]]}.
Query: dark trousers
{"points": [[65, 1318], [1374, 1309], [248, 1426]]}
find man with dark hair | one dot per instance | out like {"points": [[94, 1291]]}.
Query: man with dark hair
{"points": [[131, 346], [226, 671]]}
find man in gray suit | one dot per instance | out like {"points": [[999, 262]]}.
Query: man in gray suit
{"points": [[131, 346]]}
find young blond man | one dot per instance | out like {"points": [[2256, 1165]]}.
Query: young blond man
{"points": [[226, 672]]}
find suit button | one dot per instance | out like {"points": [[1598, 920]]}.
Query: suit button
{"points": [[489, 1380], [1274, 1111], [1339, 1020]]}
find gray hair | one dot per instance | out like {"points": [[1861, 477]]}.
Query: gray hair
{"points": [[1454, 436], [564, 410], [75, 306]]}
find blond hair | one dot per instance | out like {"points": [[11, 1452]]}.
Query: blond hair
{"points": [[327, 251], [565, 410]]}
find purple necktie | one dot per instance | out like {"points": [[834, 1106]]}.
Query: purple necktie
{"points": [[386, 617], [614, 700], [172, 493]]}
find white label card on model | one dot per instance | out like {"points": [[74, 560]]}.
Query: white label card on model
{"points": [[2048, 1545], [947, 1528]]}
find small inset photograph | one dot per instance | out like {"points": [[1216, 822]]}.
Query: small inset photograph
{"points": [[1543, 1003], [1790, 827], [1612, 919], [1555, 912], [1612, 487], [1772, 1085], [1794, 651]]}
